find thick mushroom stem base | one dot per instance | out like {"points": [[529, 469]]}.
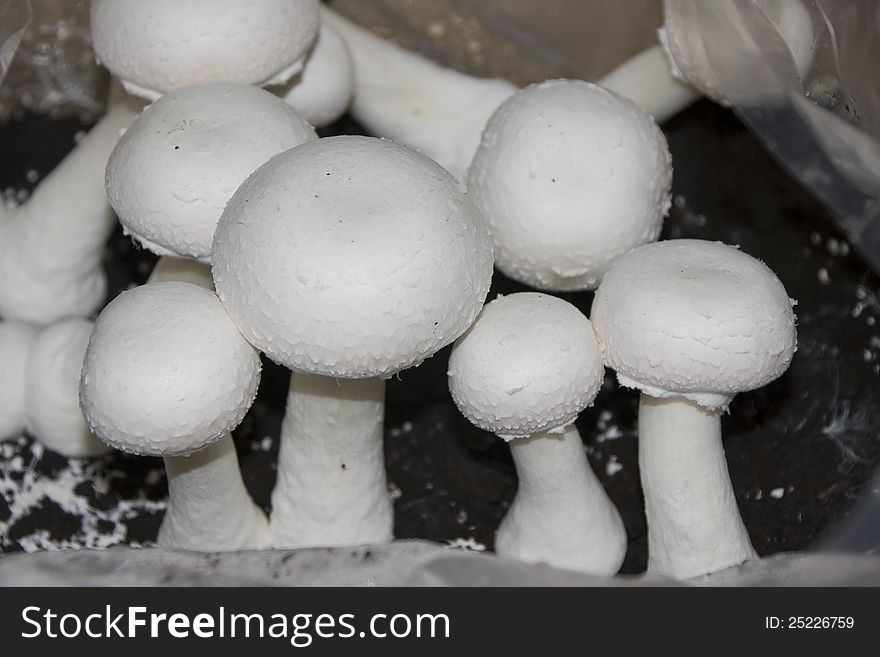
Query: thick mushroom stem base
{"points": [[561, 515], [209, 508], [331, 487], [694, 525]]}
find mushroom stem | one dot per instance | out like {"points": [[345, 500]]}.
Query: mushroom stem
{"points": [[208, 505], [50, 264], [561, 514], [441, 112], [694, 525], [331, 487]]}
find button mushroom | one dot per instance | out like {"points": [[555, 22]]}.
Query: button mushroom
{"points": [[175, 168], [525, 369], [157, 46], [166, 373], [690, 323], [346, 259], [569, 176]]}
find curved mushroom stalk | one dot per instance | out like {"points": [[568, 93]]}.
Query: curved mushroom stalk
{"points": [[694, 525], [441, 112], [331, 487], [16, 343], [208, 505], [50, 264], [561, 514]]}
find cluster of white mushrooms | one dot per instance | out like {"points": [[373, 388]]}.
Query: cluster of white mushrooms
{"points": [[349, 259]]}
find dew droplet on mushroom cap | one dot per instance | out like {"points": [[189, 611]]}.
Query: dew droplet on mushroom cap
{"points": [[529, 363], [166, 372], [248, 41], [175, 168], [569, 176], [351, 257]]}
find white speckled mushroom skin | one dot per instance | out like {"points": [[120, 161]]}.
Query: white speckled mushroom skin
{"points": [[524, 370], [694, 526], [172, 173], [322, 91], [50, 261], [569, 176], [561, 515], [54, 417], [166, 373], [331, 487], [249, 41], [690, 323], [16, 342], [349, 258]]}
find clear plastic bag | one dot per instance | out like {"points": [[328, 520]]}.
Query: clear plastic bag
{"points": [[825, 127]]}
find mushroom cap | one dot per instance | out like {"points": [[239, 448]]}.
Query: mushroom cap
{"points": [[159, 45], [570, 176], [166, 372], [53, 414], [16, 341], [351, 257], [694, 319], [529, 363], [686, 51], [172, 172], [323, 89]]}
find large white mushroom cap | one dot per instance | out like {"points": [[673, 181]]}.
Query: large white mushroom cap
{"points": [[529, 363], [155, 46], [16, 340], [175, 168], [570, 176], [322, 91], [166, 372], [351, 257], [694, 319]]}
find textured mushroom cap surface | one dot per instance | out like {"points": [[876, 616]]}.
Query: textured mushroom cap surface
{"points": [[166, 372], [159, 45], [174, 169], [695, 319], [351, 257], [53, 414], [16, 340], [322, 91], [570, 176], [529, 363]]}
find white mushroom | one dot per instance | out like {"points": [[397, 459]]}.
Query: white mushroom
{"points": [[321, 92], [346, 259], [690, 324], [569, 176], [166, 373], [525, 370], [406, 97], [51, 247], [175, 168], [39, 382], [157, 46]]}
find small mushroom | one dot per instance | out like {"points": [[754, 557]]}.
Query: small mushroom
{"points": [[175, 168], [524, 370], [346, 259], [691, 323], [570, 176], [322, 91], [166, 373], [157, 46]]}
